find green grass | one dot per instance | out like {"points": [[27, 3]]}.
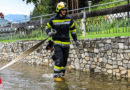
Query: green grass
{"points": [[24, 39], [79, 35], [100, 35], [110, 5], [107, 35], [112, 32]]}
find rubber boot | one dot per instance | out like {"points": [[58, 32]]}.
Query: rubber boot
{"points": [[58, 78]]}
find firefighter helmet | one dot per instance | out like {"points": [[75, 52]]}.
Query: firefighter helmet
{"points": [[60, 6]]}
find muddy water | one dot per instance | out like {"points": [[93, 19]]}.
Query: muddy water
{"points": [[27, 77]]}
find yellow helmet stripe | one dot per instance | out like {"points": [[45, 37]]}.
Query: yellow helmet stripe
{"points": [[60, 6]]}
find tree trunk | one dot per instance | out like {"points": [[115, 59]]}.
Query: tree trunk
{"points": [[72, 6], [77, 5], [67, 3]]}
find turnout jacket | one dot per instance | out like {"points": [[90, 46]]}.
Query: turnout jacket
{"points": [[62, 26]]}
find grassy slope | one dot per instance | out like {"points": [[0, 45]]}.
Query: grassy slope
{"points": [[106, 35], [110, 5]]}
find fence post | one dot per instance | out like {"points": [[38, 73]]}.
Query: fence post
{"points": [[89, 4], [11, 28], [41, 27], [84, 23]]}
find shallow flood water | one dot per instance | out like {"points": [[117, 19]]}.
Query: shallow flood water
{"points": [[31, 77]]}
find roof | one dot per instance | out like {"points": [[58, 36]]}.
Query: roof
{"points": [[4, 21]]}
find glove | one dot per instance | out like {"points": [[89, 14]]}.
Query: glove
{"points": [[53, 32], [50, 45], [77, 43]]}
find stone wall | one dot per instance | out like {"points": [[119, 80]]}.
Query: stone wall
{"points": [[109, 56]]}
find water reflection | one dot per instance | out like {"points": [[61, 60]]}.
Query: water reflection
{"points": [[61, 86], [29, 77]]}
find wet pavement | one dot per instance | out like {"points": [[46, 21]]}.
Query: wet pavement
{"points": [[32, 77]]}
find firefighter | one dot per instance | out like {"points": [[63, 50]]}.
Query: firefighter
{"points": [[58, 28]]}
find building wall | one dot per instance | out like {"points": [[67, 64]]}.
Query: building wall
{"points": [[110, 56]]}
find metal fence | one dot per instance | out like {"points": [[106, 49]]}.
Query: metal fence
{"points": [[86, 21], [112, 23]]}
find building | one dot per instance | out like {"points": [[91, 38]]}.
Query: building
{"points": [[5, 25]]}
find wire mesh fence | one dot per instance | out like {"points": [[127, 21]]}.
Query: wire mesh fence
{"points": [[104, 21], [112, 23], [24, 30]]}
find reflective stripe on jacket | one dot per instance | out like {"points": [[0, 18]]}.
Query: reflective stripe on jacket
{"points": [[62, 26]]}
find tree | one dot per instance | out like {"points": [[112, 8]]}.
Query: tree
{"points": [[42, 6], [49, 6], [32, 1]]}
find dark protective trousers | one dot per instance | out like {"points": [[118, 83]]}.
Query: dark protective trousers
{"points": [[61, 54]]}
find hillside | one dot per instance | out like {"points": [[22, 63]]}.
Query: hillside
{"points": [[110, 5], [15, 17]]}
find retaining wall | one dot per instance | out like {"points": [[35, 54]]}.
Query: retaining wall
{"points": [[109, 56]]}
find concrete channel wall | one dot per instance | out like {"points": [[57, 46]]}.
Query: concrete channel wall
{"points": [[110, 56]]}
